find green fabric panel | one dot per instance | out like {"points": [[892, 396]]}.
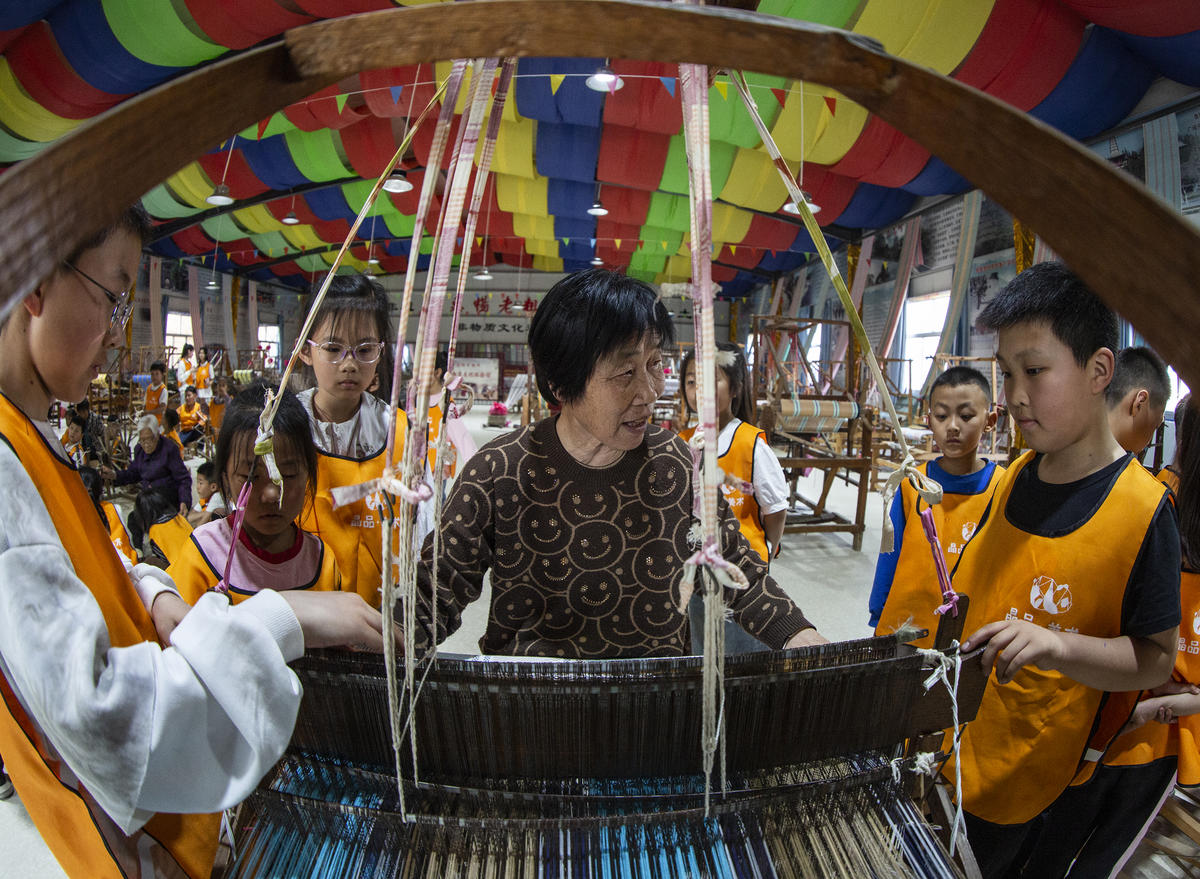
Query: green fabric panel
{"points": [[270, 243], [648, 262], [653, 238], [279, 124], [356, 196], [315, 155], [313, 263], [675, 172], [223, 227], [400, 225], [668, 212], [728, 120], [162, 205], [642, 275], [426, 245], [835, 13], [155, 33], [14, 149]]}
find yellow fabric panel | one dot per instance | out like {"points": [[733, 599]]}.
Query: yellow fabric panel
{"points": [[936, 33], [304, 237], [729, 223], [541, 247], [191, 185], [679, 267], [547, 264], [534, 227], [24, 116], [441, 70], [349, 261], [514, 147], [518, 195], [258, 220], [754, 183]]}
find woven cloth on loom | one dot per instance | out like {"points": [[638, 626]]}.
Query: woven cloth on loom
{"points": [[815, 416]]}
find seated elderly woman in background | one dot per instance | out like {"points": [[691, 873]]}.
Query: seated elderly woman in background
{"points": [[156, 464], [583, 518]]}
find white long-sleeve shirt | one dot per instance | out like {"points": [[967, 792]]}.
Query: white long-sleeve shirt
{"points": [[190, 728]]}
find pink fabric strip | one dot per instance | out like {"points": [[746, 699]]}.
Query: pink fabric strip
{"points": [[949, 596]]}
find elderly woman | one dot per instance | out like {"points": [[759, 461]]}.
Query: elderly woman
{"points": [[156, 464], [583, 518]]}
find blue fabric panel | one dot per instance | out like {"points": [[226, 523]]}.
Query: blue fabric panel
{"points": [[937, 178], [874, 206], [1102, 85], [577, 251], [272, 163], [18, 13], [569, 198], [95, 53], [1176, 57], [398, 246], [577, 265], [330, 204], [782, 261], [569, 227], [804, 242], [569, 152], [168, 249], [740, 286], [574, 102]]}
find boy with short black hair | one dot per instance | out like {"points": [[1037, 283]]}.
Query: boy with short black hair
{"points": [[209, 504], [1073, 572], [156, 392], [1137, 397], [171, 428], [906, 588]]}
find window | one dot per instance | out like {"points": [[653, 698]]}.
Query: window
{"points": [[923, 320], [178, 334], [268, 340]]}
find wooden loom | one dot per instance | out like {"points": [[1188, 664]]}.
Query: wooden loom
{"points": [[830, 431], [1015, 159]]}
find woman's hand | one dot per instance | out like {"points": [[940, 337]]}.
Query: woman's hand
{"points": [[337, 619], [805, 638]]}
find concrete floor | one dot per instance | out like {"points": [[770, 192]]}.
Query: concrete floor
{"points": [[821, 572]]}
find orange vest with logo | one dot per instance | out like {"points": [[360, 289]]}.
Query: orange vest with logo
{"points": [[738, 461], [189, 417], [156, 397], [203, 375], [171, 537], [85, 840], [915, 592], [117, 533], [352, 531], [1030, 735]]}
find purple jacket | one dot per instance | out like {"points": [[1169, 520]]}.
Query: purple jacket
{"points": [[163, 468]]}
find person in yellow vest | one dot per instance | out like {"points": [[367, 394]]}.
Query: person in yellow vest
{"points": [[203, 382], [1137, 398], [106, 675], [73, 441], [157, 527], [1159, 745], [1073, 574], [185, 369], [749, 463], [906, 588], [94, 483], [191, 417], [351, 344], [155, 402], [272, 551]]}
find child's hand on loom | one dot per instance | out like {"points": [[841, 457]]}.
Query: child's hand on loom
{"points": [[338, 619], [1010, 645]]}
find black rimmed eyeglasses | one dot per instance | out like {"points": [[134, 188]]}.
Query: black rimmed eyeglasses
{"points": [[122, 302], [333, 352]]}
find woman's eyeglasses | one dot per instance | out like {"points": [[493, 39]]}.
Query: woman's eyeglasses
{"points": [[332, 352], [122, 302]]}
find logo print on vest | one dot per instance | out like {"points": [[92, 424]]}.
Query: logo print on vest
{"points": [[1196, 623], [1053, 598], [967, 530]]}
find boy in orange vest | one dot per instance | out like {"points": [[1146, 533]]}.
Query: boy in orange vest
{"points": [[1137, 398], [1073, 573], [906, 586], [156, 392]]}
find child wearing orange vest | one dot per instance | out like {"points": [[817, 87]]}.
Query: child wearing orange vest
{"points": [[906, 586], [350, 343], [101, 699], [1159, 746], [203, 375], [191, 417], [745, 457], [272, 551], [1073, 574], [155, 402]]}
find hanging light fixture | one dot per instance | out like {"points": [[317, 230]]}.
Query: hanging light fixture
{"points": [[791, 208], [483, 275], [291, 219], [597, 209], [604, 80], [213, 283], [220, 196], [597, 261], [397, 182]]}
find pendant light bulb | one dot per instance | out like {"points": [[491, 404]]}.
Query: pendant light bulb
{"points": [[397, 182], [220, 196], [291, 219], [790, 206], [597, 209], [604, 80]]}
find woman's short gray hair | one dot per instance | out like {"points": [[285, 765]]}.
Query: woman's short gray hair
{"points": [[150, 423]]}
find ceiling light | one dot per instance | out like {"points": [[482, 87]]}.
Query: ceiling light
{"points": [[604, 80], [373, 261], [597, 209], [370, 276], [484, 275], [220, 196], [213, 283], [291, 219], [597, 261], [790, 206], [397, 182]]}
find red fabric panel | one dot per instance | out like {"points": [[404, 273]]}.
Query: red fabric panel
{"points": [[193, 240], [746, 257], [423, 141], [392, 265], [1147, 18], [369, 145], [830, 191], [240, 251], [7, 37], [644, 103], [44, 73], [376, 87], [723, 274], [324, 108], [332, 231], [626, 206], [769, 234], [335, 8], [240, 24], [287, 268], [631, 157], [241, 180]]}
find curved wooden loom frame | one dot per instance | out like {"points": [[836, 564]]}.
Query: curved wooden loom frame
{"points": [[1138, 254]]}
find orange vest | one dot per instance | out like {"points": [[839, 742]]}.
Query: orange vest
{"points": [[216, 413], [190, 417], [171, 536], [85, 840], [173, 436], [1029, 737], [156, 397], [352, 531], [738, 461], [915, 592], [687, 433], [203, 374], [435, 427], [117, 533]]}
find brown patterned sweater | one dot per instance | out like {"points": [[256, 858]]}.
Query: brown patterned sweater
{"points": [[585, 562]]}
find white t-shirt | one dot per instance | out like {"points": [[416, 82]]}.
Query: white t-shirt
{"points": [[770, 486], [215, 502], [363, 435]]}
